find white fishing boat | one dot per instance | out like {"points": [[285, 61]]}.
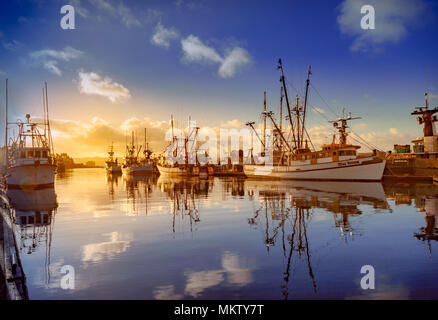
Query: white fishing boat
{"points": [[30, 161], [135, 166], [293, 159], [180, 170], [183, 150], [333, 162], [112, 166]]}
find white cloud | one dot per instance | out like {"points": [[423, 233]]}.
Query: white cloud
{"points": [[104, 5], [49, 58], [93, 84], [236, 58], [393, 18], [121, 11], [236, 271], [52, 66], [127, 17], [383, 140], [232, 124], [95, 252], [387, 139], [79, 8], [360, 126], [318, 110], [196, 51], [167, 293], [189, 4], [163, 36], [14, 45], [153, 15], [198, 282], [67, 54], [90, 138]]}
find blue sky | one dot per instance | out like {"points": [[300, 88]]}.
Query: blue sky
{"points": [[131, 60]]}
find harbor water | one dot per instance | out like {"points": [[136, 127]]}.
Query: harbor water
{"points": [[226, 238]]}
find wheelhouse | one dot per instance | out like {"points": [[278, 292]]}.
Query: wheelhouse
{"points": [[328, 153], [23, 156]]}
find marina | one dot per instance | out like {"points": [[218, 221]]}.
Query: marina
{"points": [[205, 152], [298, 232], [294, 209]]}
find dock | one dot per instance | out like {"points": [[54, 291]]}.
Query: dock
{"points": [[12, 278], [408, 178]]}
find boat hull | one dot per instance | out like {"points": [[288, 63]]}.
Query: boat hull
{"points": [[31, 176], [113, 170], [113, 167], [365, 169], [140, 170], [178, 171]]}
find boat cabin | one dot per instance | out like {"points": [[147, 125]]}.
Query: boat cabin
{"points": [[29, 156], [328, 153]]}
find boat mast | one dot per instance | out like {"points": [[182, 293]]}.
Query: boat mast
{"points": [[282, 79], [297, 113], [251, 124], [6, 134], [45, 116], [309, 72], [281, 108], [264, 123], [48, 122], [269, 114], [146, 139]]}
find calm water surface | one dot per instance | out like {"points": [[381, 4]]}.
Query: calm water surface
{"points": [[169, 238]]}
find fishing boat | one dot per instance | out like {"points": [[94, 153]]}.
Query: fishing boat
{"points": [[30, 161], [112, 166], [133, 165], [424, 152], [294, 159], [183, 150]]}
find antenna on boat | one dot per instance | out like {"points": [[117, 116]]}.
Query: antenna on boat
{"points": [[341, 125]]}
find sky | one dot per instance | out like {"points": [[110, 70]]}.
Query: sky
{"points": [[131, 64]]}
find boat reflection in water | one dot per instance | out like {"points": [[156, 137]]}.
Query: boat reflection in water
{"points": [[112, 180], [425, 198], [184, 195], [232, 238], [33, 212], [286, 209], [139, 189]]}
